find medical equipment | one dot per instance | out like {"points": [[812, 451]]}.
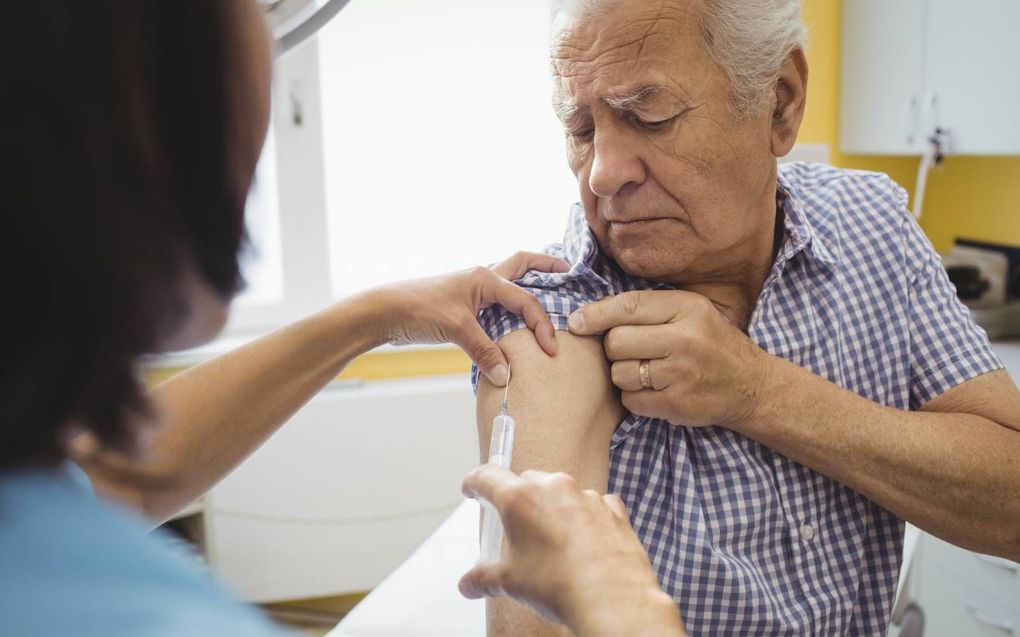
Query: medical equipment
{"points": [[294, 21], [501, 450]]}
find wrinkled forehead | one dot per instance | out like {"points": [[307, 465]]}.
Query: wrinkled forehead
{"points": [[616, 45]]}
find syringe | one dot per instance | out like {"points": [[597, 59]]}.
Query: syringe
{"points": [[501, 450]]}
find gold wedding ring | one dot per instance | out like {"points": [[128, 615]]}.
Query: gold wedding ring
{"points": [[645, 375]]}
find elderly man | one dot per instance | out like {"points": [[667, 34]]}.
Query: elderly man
{"points": [[786, 374]]}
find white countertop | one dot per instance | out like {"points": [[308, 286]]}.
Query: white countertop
{"points": [[1009, 352], [420, 598]]}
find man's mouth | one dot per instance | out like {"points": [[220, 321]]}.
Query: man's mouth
{"points": [[637, 222]]}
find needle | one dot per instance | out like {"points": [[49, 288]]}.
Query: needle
{"points": [[506, 392]]}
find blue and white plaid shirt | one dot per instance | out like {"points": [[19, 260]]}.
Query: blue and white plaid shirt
{"points": [[749, 542]]}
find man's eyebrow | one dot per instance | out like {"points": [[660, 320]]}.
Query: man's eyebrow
{"points": [[629, 100], [565, 110], [626, 101]]}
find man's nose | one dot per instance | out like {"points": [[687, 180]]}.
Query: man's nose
{"points": [[616, 163]]}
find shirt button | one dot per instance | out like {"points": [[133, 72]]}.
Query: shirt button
{"points": [[807, 532]]}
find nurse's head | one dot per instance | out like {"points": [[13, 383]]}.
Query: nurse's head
{"points": [[131, 131]]}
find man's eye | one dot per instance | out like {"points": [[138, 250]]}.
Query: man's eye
{"points": [[654, 126]]}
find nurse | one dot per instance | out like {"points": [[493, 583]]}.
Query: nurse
{"points": [[132, 130]]}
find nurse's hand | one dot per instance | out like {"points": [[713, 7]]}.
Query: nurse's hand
{"points": [[444, 309], [570, 555]]}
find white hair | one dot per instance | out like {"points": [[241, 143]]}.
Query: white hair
{"points": [[748, 39]]}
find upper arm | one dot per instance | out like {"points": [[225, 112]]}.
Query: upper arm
{"points": [[993, 396], [947, 348], [565, 406], [952, 366], [566, 411]]}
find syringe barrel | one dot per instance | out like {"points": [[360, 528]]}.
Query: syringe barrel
{"points": [[492, 534], [501, 451], [501, 445]]}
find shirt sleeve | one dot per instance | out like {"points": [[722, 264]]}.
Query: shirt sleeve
{"points": [[947, 347], [559, 294]]}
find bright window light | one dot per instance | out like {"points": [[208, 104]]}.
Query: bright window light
{"points": [[441, 147], [262, 263]]}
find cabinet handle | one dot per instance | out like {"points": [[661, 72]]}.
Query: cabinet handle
{"points": [[930, 118], [998, 562], [910, 120], [991, 622]]}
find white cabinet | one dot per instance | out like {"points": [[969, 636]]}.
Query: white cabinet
{"points": [[344, 492], [882, 76], [966, 594], [910, 66]]}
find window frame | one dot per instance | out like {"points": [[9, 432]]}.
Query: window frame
{"points": [[304, 245]]}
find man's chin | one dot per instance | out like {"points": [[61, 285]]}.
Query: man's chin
{"points": [[649, 264]]}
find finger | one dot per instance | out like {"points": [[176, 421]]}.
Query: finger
{"points": [[640, 307], [627, 375], [484, 580], [638, 341], [616, 505], [523, 303], [646, 402], [487, 355], [516, 266], [489, 483]]}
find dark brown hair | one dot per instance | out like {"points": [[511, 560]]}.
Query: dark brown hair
{"points": [[119, 173]]}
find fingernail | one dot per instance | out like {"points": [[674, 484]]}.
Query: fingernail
{"points": [[576, 321], [499, 374]]}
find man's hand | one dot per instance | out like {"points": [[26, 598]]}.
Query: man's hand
{"points": [[444, 309], [701, 370], [571, 556]]}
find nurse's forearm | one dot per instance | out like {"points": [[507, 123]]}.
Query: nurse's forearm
{"points": [[219, 412]]}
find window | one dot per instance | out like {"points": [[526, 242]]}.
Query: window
{"points": [[441, 147], [412, 137], [262, 263]]}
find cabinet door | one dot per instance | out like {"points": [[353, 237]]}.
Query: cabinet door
{"points": [[882, 76], [954, 608], [973, 51]]}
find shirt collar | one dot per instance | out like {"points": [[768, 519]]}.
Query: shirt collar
{"points": [[798, 230]]}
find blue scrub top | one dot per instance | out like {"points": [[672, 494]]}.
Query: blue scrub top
{"points": [[71, 565]]}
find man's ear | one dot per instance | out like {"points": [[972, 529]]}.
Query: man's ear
{"points": [[791, 96]]}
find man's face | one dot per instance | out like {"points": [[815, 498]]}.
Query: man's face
{"points": [[675, 186]]}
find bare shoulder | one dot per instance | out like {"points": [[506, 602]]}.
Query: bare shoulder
{"points": [[993, 395]]}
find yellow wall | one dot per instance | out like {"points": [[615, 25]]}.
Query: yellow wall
{"points": [[377, 365], [976, 197]]}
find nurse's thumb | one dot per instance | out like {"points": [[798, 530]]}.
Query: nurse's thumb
{"points": [[486, 354]]}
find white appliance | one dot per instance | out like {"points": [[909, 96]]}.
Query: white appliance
{"points": [[345, 491], [991, 268]]}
